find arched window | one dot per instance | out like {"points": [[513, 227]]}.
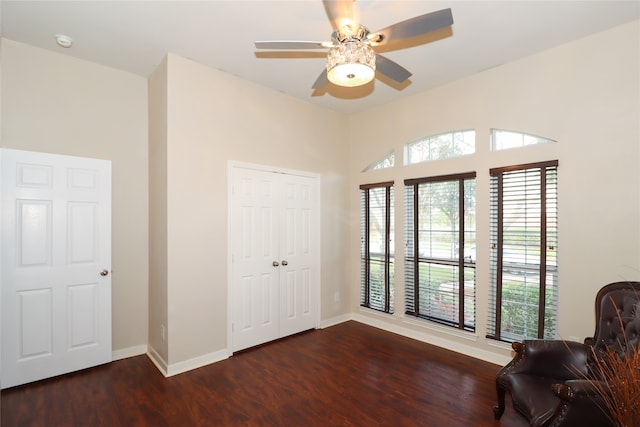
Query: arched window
{"points": [[505, 139], [388, 161], [439, 147]]}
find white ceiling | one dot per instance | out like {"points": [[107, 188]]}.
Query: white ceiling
{"points": [[135, 36]]}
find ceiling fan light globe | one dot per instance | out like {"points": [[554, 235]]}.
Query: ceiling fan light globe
{"points": [[350, 64], [350, 74]]}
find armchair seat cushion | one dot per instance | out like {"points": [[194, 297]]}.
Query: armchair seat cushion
{"points": [[533, 397]]}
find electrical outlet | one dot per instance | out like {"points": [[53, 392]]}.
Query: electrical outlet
{"points": [[163, 332]]}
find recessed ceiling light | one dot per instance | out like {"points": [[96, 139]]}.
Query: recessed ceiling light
{"points": [[64, 41]]}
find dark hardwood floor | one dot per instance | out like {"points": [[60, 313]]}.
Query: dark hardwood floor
{"points": [[346, 375]]}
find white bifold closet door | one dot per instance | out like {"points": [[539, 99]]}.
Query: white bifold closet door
{"points": [[275, 264]]}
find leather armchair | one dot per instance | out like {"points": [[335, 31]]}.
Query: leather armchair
{"points": [[547, 379]]}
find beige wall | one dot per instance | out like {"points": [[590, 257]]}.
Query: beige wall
{"points": [[214, 118], [57, 104], [585, 95], [158, 316]]}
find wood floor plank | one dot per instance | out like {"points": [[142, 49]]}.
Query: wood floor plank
{"points": [[346, 375]]}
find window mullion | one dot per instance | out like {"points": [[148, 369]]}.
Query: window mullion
{"points": [[543, 251], [461, 287], [416, 252], [500, 237], [387, 235], [367, 253]]}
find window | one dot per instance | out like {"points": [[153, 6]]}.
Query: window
{"points": [[440, 250], [386, 162], [439, 147], [524, 242], [504, 139], [376, 267]]}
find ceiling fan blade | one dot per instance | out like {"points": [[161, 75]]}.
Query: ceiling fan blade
{"points": [[414, 27], [341, 13], [391, 69], [284, 44], [321, 81]]}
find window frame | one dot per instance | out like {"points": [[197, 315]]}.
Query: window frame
{"points": [[497, 262], [413, 260], [365, 255]]}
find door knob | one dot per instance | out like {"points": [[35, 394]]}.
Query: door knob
{"points": [[104, 272], [275, 263], [284, 262]]}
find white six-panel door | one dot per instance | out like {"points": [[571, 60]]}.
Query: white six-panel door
{"points": [[298, 237], [274, 255], [255, 280], [56, 263]]}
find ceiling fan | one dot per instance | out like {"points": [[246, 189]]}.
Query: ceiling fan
{"points": [[351, 60]]}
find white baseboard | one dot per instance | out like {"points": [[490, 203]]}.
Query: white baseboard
{"points": [[157, 360], [124, 353], [197, 362], [336, 320], [169, 370]]}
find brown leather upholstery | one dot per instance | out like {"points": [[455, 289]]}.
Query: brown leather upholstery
{"points": [[547, 378]]}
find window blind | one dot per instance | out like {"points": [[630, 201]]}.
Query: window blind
{"points": [[440, 249], [523, 257], [376, 231]]}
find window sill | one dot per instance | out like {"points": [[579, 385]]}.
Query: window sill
{"points": [[375, 312], [499, 344], [433, 326]]}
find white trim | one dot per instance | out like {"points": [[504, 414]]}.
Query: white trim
{"points": [[433, 326], [499, 344], [267, 168], [197, 362], [157, 360], [124, 353], [169, 370], [230, 166], [366, 311], [430, 339], [335, 321], [318, 248]]}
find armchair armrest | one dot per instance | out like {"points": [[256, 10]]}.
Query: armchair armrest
{"points": [[557, 359], [577, 389], [582, 404]]}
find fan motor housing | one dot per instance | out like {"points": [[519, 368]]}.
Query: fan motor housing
{"points": [[347, 33]]}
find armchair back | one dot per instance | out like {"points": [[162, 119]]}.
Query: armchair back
{"points": [[618, 318]]}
